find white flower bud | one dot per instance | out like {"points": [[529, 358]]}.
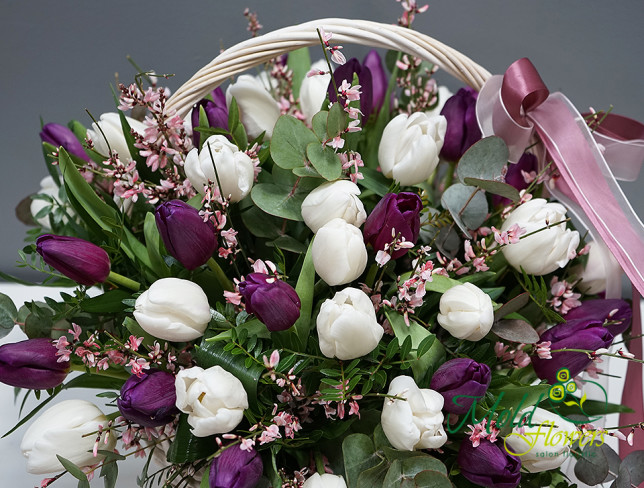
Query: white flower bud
{"points": [[110, 124], [213, 398], [47, 187], [313, 90], [258, 110], [325, 480], [235, 172], [600, 267], [409, 147], [466, 312], [173, 309], [69, 430], [414, 423], [339, 252], [335, 199], [544, 444], [347, 325], [547, 250]]}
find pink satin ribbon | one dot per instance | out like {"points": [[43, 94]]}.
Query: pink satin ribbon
{"points": [[519, 108]]}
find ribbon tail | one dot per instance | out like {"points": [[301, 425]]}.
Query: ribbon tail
{"points": [[570, 143]]}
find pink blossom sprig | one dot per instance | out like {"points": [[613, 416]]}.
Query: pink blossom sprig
{"points": [[411, 8], [419, 89]]}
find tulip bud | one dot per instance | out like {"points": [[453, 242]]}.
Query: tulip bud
{"points": [[461, 381], [466, 312], [149, 400], [313, 91], [547, 250], [173, 309], [236, 468], [530, 441], [339, 253], [417, 421], [235, 171], [325, 480], [185, 234], [379, 80], [213, 398], [347, 325], [274, 302], [394, 215], [258, 110], [409, 147], [110, 129], [462, 125], [216, 112], [67, 429], [600, 268], [527, 163], [489, 464], [32, 364], [58, 135], [78, 259], [335, 199]]}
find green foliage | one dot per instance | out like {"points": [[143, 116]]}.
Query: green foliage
{"points": [[8, 314], [467, 205], [539, 292]]}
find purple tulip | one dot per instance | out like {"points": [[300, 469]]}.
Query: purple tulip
{"points": [[274, 302], [514, 177], [149, 400], [457, 377], [216, 111], [462, 126], [398, 213], [346, 72], [58, 135], [32, 364], [379, 81], [78, 259], [616, 312], [186, 236], [489, 464], [236, 468]]}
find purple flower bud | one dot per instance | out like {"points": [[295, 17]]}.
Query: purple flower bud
{"points": [[78, 259], [489, 464], [236, 468], [149, 400], [587, 334], [457, 377], [397, 213], [346, 72], [462, 126], [216, 111], [58, 135], [528, 163], [185, 234], [32, 364], [379, 80], [274, 302]]}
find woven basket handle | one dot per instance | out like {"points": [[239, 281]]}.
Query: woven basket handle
{"points": [[258, 50]]}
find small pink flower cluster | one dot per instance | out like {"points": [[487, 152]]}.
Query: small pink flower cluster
{"points": [[518, 357], [563, 298], [480, 431]]}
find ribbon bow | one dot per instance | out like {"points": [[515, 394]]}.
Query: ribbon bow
{"points": [[519, 108]]}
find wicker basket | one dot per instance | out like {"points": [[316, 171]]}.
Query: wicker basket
{"points": [[258, 50]]}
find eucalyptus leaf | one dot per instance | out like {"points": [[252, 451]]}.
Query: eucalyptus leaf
{"points": [[325, 160], [289, 142], [467, 205], [513, 305], [306, 172], [495, 187], [432, 479], [484, 160], [278, 201], [515, 330], [631, 471], [592, 467], [318, 123], [336, 121], [8, 314], [359, 455], [372, 477]]}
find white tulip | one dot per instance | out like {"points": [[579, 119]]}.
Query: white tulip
{"points": [[547, 250], [325, 480], [235, 171], [466, 312], [601, 265], [313, 91], [213, 398], [110, 124], [545, 443], [339, 252], [414, 423], [409, 147], [69, 430], [173, 309], [347, 325], [258, 110], [335, 199]]}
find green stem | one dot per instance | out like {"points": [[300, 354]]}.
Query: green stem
{"points": [[121, 375], [319, 462], [123, 281], [220, 275], [590, 353]]}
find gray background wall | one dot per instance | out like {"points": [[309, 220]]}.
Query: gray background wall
{"points": [[59, 58]]}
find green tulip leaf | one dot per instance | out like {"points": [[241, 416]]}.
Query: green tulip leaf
{"points": [[289, 142], [153, 245], [187, 447], [108, 302], [299, 63], [484, 160]]}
